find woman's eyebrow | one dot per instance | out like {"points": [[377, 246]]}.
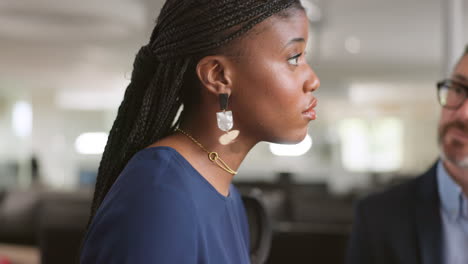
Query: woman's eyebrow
{"points": [[294, 40]]}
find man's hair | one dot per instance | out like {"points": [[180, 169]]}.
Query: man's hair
{"points": [[466, 49], [162, 78]]}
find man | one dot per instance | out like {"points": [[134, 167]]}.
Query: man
{"points": [[424, 221]]}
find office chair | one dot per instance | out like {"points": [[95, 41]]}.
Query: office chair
{"points": [[260, 228]]}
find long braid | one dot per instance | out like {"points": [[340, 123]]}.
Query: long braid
{"points": [[186, 30]]}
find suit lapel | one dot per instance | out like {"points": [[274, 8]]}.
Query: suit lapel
{"points": [[428, 222]]}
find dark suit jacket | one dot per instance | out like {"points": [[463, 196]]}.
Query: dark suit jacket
{"points": [[399, 226]]}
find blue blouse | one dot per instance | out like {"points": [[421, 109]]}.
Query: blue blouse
{"points": [[161, 210]]}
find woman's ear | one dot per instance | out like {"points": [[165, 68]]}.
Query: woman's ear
{"points": [[214, 73]]}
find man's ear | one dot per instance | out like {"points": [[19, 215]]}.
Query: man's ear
{"points": [[214, 73]]}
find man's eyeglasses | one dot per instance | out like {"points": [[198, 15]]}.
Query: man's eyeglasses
{"points": [[451, 94]]}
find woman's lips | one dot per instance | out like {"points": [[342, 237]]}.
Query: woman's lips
{"points": [[310, 112]]}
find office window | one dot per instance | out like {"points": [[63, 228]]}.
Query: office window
{"points": [[371, 146]]}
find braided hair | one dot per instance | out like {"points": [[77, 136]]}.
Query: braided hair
{"points": [[164, 70]]}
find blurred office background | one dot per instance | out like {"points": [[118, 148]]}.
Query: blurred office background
{"points": [[64, 66]]}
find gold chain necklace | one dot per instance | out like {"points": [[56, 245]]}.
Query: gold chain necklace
{"points": [[213, 156]]}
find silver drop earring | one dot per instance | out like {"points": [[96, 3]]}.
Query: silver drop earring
{"points": [[226, 121]]}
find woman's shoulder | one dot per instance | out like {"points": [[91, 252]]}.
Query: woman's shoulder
{"points": [[151, 174], [150, 179], [154, 157], [157, 165], [147, 218]]}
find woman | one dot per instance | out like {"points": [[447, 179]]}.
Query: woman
{"points": [[164, 192]]}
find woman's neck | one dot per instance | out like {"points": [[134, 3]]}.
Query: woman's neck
{"points": [[208, 136]]}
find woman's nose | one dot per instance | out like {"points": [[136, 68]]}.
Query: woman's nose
{"points": [[312, 83]]}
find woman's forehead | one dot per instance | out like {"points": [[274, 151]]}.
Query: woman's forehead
{"points": [[278, 31]]}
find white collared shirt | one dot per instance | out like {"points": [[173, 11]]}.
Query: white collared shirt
{"points": [[454, 213]]}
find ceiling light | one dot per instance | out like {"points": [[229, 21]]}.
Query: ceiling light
{"points": [[92, 143]]}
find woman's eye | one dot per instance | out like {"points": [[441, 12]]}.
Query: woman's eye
{"points": [[294, 60]]}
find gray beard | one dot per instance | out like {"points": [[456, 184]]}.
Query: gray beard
{"points": [[462, 164]]}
